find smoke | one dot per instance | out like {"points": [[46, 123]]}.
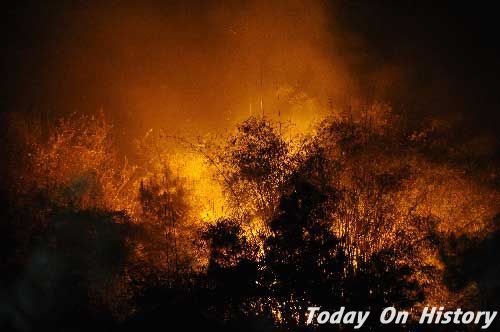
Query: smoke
{"points": [[202, 66], [196, 65]]}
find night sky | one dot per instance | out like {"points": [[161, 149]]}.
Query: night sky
{"points": [[196, 62]]}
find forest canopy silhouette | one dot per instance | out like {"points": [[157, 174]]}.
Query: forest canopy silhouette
{"points": [[364, 211]]}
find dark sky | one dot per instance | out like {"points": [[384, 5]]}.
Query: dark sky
{"points": [[175, 62], [448, 51]]}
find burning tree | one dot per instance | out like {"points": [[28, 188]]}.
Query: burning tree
{"points": [[355, 203], [365, 210]]}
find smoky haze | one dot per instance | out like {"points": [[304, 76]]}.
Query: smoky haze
{"points": [[183, 65], [205, 65]]}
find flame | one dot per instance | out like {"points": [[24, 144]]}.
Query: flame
{"points": [[206, 193]]}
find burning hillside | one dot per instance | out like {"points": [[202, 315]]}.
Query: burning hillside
{"points": [[226, 158]]}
